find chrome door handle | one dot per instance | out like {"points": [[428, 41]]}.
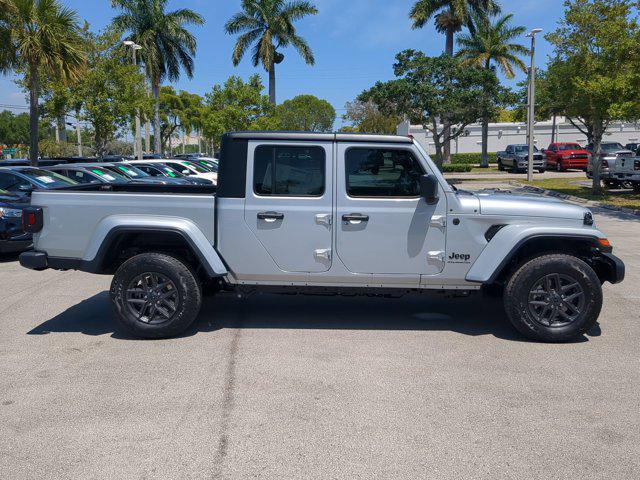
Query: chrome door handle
{"points": [[270, 216], [355, 218]]}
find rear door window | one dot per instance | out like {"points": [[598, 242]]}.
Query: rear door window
{"points": [[289, 171]]}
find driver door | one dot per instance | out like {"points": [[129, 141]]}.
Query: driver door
{"points": [[383, 225]]}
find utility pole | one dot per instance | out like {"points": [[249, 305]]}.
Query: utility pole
{"points": [[531, 117], [138, 140]]}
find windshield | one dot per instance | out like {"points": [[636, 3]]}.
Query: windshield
{"points": [[611, 147], [524, 148], [48, 179], [130, 171], [107, 174], [193, 166], [212, 166], [169, 172], [570, 146]]}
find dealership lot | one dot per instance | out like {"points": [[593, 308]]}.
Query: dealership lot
{"points": [[315, 387]]}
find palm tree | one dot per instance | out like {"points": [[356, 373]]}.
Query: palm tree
{"points": [[492, 42], [450, 17], [39, 36], [269, 23], [167, 46]]}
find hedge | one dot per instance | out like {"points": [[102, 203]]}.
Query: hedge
{"points": [[471, 158], [457, 168]]}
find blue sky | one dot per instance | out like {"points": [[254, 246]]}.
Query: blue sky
{"points": [[354, 41]]}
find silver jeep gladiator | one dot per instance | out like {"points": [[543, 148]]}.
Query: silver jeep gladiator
{"points": [[325, 214]]}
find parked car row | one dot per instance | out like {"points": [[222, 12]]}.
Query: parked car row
{"points": [[620, 166], [18, 180]]}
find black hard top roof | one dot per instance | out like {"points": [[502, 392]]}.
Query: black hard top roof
{"points": [[315, 137]]}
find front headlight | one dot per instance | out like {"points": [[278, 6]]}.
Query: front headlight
{"points": [[10, 212]]}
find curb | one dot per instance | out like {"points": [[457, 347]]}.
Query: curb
{"points": [[571, 198]]}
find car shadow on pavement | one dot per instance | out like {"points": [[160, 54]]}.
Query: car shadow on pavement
{"points": [[9, 257], [95, 316]]}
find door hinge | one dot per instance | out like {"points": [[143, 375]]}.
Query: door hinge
{"points": [[438, 221], [324, 219], [322, 254]]}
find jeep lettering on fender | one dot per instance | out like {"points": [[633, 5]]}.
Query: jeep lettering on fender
{"points": [[459, 258]]}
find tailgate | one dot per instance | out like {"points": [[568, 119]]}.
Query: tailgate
{"points": [[627, 165]]}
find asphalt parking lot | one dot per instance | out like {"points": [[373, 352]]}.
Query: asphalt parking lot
{"points": [[315, 387]]}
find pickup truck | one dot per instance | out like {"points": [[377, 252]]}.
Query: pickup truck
{"points": [[610, 155], [305, 213], [515, 158], [564, 155]]}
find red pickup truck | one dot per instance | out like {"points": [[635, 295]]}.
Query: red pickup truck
{"points": [[563, 156]]}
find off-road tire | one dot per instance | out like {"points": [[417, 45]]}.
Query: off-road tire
{"points": [[521, 283], [187, 286], [636, 187]]}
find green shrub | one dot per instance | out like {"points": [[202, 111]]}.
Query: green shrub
{"points": [[471, 158], [456, 168]]}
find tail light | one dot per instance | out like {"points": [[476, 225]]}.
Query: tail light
{"points": [[32, 219]]}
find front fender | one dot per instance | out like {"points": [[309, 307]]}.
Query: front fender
{"points": [[507, 241], [111, 226]]}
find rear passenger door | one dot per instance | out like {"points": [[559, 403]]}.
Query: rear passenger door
{"points": [[289, 203]]}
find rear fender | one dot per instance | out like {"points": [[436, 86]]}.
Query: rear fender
{"points": [[110, 227]]}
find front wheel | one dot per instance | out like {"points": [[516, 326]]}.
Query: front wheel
{"points": [[500, 166], [553, 298], [636, 187], [156, 295]]}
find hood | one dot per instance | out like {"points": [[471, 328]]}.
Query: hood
{"points": [[617, 153], [528, 206], [11, 201], [572, 152]]}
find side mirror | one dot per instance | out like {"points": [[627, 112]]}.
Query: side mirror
{"points": [[186, 172], [429, 189], [25, 187]]}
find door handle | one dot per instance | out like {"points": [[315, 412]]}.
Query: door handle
{"points": [[270, 216], [355, 217]]}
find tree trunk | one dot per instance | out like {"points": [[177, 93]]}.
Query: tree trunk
{"points": [[553, 129], [598, 132], [272, 84], [436, 143], [78, 132], [199, 141], [484, 161], [62, 122], [56, 127], [157, 134], [34, 91]]}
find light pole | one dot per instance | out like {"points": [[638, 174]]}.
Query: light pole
{"points": [[532, 103], [138, 141]]}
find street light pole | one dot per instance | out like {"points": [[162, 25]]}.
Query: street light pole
{"points": [[138, 140], [532, 103]]}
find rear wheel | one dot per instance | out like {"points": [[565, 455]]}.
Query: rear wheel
{"points": [[553, 298], [156, 295]]}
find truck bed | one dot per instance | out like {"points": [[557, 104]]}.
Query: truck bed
{"points": [[77, 219]]}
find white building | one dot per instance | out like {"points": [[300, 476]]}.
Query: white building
{"points": [[503, 134]]}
